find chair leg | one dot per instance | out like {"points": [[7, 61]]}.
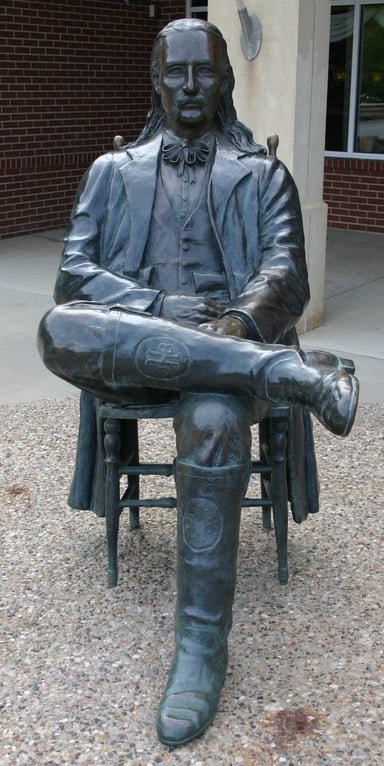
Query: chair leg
{"points": [[265, 479], [112, 494], [131, 445], [278, 445]]}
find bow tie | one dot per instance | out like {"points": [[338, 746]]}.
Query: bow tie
{"points": [[183, 153]]}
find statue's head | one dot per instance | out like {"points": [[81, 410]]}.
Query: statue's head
{"points": [[192, 84], [191, 75]]}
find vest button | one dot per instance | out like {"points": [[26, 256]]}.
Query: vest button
{"points": [[185, 246]]}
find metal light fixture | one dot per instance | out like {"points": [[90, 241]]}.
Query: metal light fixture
{"points": [[251, 34]]}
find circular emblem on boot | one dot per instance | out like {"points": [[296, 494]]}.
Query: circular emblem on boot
{"points": [[202, 524], [162, 358]]}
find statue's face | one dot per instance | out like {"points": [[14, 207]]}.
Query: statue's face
{"points": [[190, 81]]}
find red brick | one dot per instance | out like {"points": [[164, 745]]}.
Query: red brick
{"points": [[70, 78], [357, 187]]}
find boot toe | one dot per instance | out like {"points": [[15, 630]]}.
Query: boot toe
{"points": [[349, 406], [339, 403], [184, 716]]}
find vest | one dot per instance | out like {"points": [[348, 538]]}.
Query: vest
{"points": [[183, 257]]}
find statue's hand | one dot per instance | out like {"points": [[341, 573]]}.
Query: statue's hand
{"points": [[226, 325], [193, 309]]}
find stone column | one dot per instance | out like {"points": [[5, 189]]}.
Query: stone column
{"points": [[284, 91]]}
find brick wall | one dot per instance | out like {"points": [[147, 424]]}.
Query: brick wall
{"points": [[73, 74], [354, 192]]}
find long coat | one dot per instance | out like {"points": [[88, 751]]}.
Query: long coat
{"points": [[255, 215]]}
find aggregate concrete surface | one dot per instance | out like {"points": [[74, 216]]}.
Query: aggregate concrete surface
{"points": [[83, 666]]}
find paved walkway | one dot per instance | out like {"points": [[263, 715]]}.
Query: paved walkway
{"points": [[354, 307]]}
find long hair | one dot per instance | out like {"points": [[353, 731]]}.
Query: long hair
{"points": [[226, 120]]}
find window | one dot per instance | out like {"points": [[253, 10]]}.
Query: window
{"points": [[197, 9], [355, 106]]}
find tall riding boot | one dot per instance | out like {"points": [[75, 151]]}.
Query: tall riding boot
{"points": [[109, 351], [209, 506], [325, 389]]}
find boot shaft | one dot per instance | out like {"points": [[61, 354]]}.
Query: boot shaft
{"points": [[209, 509]]}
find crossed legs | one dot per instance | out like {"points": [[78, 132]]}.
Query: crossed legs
{"points": [[109, 352]]}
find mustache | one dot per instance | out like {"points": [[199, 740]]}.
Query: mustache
{"points": [[198, 101]]}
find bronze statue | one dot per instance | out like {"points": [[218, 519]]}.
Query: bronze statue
{"points": [[184, 270]]}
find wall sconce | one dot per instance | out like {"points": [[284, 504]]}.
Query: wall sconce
{"points": [[251, 33]]}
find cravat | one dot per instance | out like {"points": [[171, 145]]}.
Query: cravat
{"points": [[183, 153]]}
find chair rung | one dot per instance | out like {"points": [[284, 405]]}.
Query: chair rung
{"points": [[254, 502], [170, 502], [147, 469], [128, 494], [257, 467], [166, 469], [156, 502]]}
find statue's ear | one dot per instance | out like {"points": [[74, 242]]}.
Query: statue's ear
{"points": [[224, 82], [155, 81]]}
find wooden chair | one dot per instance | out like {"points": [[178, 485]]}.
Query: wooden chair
{"points": [[271, 466]]}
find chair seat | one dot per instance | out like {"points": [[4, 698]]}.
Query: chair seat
{"points": [[138, 411]]}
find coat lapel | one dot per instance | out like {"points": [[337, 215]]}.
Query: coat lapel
{"points": [[227, 173], [139, 175]]}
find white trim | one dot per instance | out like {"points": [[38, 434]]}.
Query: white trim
{"points": [[354, 155], [350, 153], [356, 2], [354, 79]]}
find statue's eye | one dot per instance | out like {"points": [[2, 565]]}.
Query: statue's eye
{"points": [[205, 70], [174, 71]]}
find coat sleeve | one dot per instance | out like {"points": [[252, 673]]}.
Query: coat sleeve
{"points": [[274, 298], [82, 273]]}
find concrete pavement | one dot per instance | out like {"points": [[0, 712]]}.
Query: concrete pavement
{"points": [[353, 326], [354, 307]]}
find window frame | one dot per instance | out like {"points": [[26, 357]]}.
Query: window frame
{"points": [[188, 8], [350, 153]]}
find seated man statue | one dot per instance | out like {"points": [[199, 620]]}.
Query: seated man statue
{"points": [[184, 271]]}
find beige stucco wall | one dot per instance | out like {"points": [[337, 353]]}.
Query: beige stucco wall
{"points": [[283, 90]]}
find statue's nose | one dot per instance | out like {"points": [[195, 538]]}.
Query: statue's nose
{"points": [[190, 82]]}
